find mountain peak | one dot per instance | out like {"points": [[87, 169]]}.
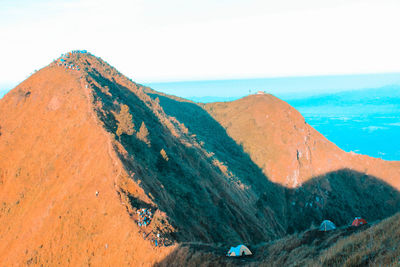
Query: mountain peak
{"points": [[79, 61]]}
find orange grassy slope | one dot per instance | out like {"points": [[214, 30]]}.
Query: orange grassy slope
{"points": [[54, 156], [285, 147]]}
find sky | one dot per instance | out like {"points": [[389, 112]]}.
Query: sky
{"points": [[183, 40]]}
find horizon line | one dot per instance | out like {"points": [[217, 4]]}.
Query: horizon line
{"points": [[210, 79], [268, 77]]}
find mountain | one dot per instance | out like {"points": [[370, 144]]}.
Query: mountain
{"points": [[320, 180], [54, 156], [364, 121], [76, 164], [285, 147], [83, 150], [276, 137], [375, 96]]}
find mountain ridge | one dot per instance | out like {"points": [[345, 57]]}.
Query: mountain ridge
{"points": [[77, 165], [249, 109]]}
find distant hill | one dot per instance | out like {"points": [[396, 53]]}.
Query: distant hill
{"points": [[94, 169], [281, 143], [364, 121], [208, 99], [375, 96]]}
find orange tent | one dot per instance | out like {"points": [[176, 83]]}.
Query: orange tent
{"points": [[358, 221]]}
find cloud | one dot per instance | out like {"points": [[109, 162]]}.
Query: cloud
{"points": [[393, 124], [374, 128]]}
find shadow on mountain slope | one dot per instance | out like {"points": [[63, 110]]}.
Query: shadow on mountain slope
{"points": [[207, 187], [336, 195], [201, 196], [345, 194], [340, 196], [215, 138]]}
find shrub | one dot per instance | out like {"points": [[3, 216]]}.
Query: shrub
{"points": [[164, 154], [143, 134], [125, 123]]}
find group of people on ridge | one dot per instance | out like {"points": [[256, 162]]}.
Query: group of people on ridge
{"points": [[62, 61], [144, 217]]}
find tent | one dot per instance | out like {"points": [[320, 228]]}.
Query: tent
{"points": [[240, 250], [358, 221], [327, 225]]}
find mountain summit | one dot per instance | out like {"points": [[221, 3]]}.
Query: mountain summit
{"points": [[96, 169]]}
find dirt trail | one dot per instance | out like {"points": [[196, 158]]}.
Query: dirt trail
{"points": [[111, 152]]}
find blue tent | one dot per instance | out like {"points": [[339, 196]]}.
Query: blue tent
{"points": [[327, 225]]}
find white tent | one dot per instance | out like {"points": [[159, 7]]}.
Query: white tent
{"points": [[240, 250]]}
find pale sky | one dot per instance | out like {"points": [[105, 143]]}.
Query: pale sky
{"points": [[169, 40]]}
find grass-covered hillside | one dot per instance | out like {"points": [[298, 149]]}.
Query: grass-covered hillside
{"points": [[368, 245]]}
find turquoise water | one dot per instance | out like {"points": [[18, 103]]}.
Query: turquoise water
{"points": [[364, 121]]}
